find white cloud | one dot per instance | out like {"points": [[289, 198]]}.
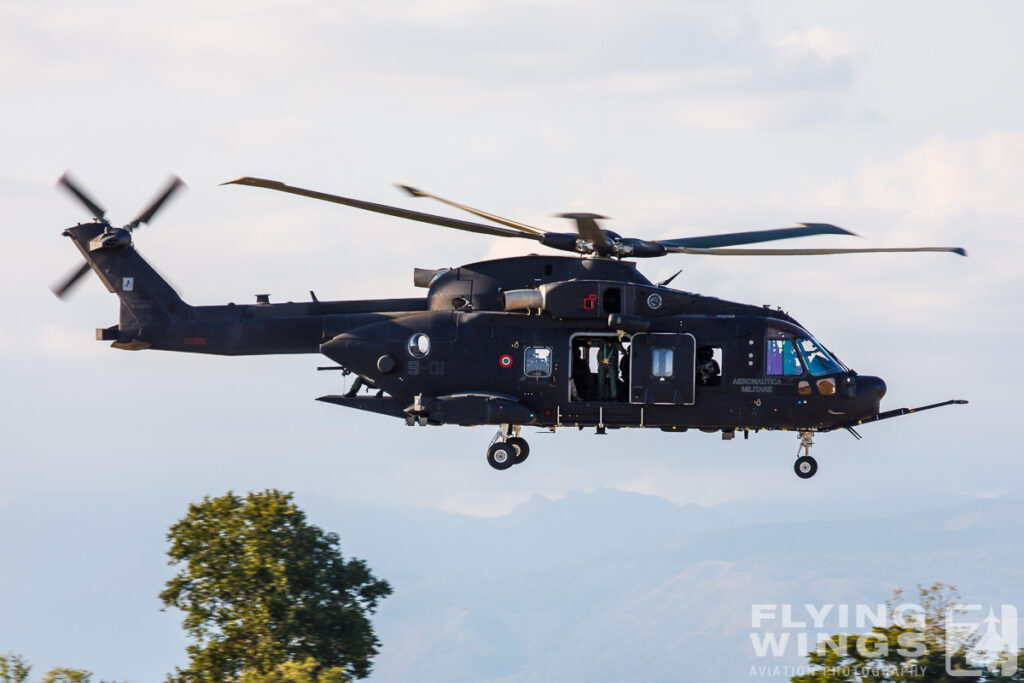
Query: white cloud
{"points": [[942, 176], [690, 52], [819, 41]]}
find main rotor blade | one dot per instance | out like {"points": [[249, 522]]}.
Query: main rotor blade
{"points": [[807, 252], [516, 225], [384, 209], [589, 230], [62, 289], [752, 236], [95, 209], [146, 216]]}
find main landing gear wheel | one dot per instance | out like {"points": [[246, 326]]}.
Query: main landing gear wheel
{"points": [[501, 455], [521, 448], [805, 467]]}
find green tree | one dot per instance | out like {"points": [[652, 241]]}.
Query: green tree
{"points": [[912, 647], [13, 669], [298, 672], [63, 675], [261, 587]]}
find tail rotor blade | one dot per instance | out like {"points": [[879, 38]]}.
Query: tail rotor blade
{"points": [[65, 286], [95, 209], [146, 216]]}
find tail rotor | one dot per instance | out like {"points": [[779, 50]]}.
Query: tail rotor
{"points": [[117, 235]]}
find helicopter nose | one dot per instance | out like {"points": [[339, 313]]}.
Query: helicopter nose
{"points": [[870, 389]]}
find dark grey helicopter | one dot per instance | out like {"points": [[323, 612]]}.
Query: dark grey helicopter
{"points": [[541, 340]]}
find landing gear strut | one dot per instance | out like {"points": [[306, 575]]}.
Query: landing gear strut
{"points": [[507, 448], [805, 466]]}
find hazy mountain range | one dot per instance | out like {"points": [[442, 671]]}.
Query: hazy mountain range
{"points": [[598, 586]]}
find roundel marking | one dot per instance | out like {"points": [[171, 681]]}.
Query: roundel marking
{"points": [[654, 301], [505, 361]]}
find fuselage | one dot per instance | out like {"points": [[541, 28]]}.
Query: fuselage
{"points": [[543, 340], [536, 360], [518, 330]]}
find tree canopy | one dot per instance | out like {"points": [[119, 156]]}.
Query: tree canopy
{"points": [[14, 669], [261, 587], [298, 672]]}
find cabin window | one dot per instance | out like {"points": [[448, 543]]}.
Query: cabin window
{"points": [[661, 362], [781, 358], [537, 361], [613, 300], [419, 345], [709, 366]]}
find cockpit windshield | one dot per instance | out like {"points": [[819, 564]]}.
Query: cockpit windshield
{"points": [[788, 354], [816, 358]]}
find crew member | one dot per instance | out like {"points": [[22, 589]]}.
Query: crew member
{"points": [[608, 370], [708, 372]]}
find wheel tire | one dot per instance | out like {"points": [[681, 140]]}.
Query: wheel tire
{"points": [[501, 456], [805, 467], [521, 448]]}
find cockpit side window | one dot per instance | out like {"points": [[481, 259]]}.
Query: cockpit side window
{"points": [[781, 358]]}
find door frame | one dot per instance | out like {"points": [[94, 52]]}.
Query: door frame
{"points": [[568, 384], [693, 369]]}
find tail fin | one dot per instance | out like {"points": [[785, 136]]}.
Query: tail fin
{"points": [[146, 298]]}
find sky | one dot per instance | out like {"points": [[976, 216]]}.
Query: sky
{"points": [[901, 122], [898, 121]]}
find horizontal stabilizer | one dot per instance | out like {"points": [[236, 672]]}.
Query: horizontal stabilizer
{"points": [[385, 405]]}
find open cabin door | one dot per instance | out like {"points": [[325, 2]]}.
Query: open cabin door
{"points": [[662, 368]]}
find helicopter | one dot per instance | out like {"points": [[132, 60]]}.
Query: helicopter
{"points": [[546, 341]]}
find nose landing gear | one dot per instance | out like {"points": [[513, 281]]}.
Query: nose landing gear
{"points": [[507, 448], [805, 466]]}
